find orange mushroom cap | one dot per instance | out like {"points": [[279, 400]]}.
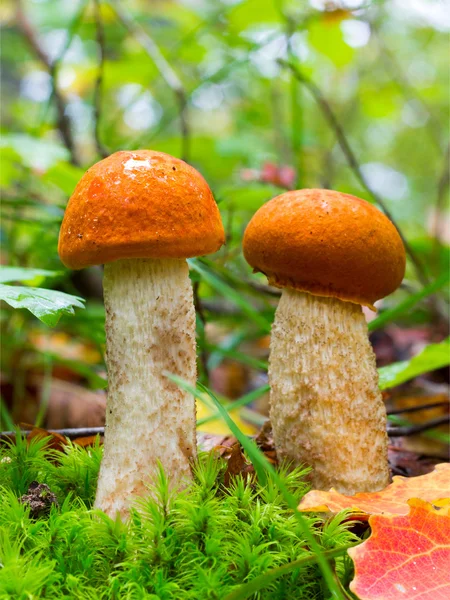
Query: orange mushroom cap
{"points": [[140, 204], [328, 244]]}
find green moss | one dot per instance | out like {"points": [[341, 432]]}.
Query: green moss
{"points": [[200, 543]]}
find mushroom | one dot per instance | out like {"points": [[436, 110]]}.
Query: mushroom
{"points": [[143, 213], [331, 253]]}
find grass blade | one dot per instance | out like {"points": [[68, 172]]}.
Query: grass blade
{"points": [[228, 292], [262, 466], [256, 584], [399, 310]]}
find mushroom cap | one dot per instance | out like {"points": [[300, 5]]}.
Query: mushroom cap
{"points": [[328, 244], [140, 204]]}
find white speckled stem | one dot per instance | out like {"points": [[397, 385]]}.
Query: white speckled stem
{"points": [[326, 408], [150, 328]]}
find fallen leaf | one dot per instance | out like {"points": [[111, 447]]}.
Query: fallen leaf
{"points": [[406, 463], [392, 500], [56, 441], [406, 557], [237, 466], [89, 440]]}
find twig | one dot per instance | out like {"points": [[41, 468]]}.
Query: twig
{"points": [[413, 429], [73, 434], [98, 90], [63, 122], [69, 433], [90, 431], [410, 409], [401, 81], [351, 157], [164, 69]]}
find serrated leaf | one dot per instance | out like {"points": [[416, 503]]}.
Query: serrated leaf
{"points": [[47, 305], [434, 356], [8, 274]]}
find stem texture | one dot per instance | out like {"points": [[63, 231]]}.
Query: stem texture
{"points": [[150, 329], [326, 408]]}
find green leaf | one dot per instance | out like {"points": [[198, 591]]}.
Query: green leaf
{"points": [[10, 171], [226, 291], [24, 274], [249, 197], [247, 399], [252, 13], [63, 175], [327, 38], [35, 152], [434, 356], [262, 581], [46, 305], [380, 102], [397, 311]]}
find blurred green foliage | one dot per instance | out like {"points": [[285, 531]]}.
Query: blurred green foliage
{"points": [[202, 79]]}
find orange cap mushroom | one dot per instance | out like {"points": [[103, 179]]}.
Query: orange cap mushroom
{"points": [[328, 244], [141, 204], [331, 253], [143, 213]]}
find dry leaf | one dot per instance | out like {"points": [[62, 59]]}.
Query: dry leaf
{"points": [[89, 440], [406, 557], [392, 500], [56, 441], [237, 466]]}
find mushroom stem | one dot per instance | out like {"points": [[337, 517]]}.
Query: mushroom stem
{"points": [[150, 329], [326, 408]]}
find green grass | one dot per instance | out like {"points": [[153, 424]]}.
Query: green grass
{"points": [[204, 542]]}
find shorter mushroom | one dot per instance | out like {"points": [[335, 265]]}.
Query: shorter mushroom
{"points": [[331, 253], [143, 213]]}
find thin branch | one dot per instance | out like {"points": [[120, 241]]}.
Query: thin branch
{"points": [[165, 70], [69, 433], [90, 431], [409, 92], [72, 434], [98, 89], [343, 142], [63, 122], [413, 429], [419, 408]]}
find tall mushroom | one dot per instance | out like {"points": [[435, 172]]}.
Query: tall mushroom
{"points": [[331, 253], [143, 213]]}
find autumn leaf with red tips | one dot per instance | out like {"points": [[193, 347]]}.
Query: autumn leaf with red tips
{"points": [[406, 556]]}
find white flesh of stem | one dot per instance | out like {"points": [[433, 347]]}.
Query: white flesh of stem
{"points": [[326, 408], [150, 329]]}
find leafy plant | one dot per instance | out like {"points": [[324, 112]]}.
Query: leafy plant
{"points": [[200, 542], [46, 305]]}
